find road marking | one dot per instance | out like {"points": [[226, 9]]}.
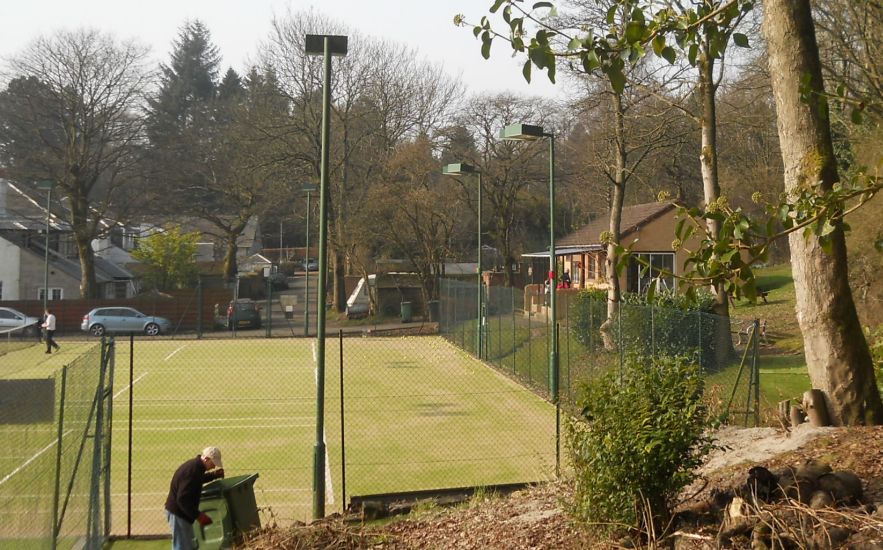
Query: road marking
{"points": [[117, 394], [169, 356], [33, 458]]}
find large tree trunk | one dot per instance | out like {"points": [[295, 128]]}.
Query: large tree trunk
{"points": [[837, 354], [230, 266], [83, 235], [613, 289], [88, 288], [723, 340]]}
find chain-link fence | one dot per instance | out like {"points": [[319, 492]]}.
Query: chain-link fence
{"points": [[55, 436], [400, 415], [513, 332]]}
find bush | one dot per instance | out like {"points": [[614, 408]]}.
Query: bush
{"points": [[669, 324], [638, 441], [588, 309]]}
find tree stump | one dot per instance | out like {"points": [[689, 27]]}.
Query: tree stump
{"points": [[814, 405]]}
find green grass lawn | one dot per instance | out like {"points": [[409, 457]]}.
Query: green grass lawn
{"points": [[419, 413]]}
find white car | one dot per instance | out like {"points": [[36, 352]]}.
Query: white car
{"points": [[12, 318]]}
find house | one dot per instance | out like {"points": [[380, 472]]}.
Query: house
{"points": [[648, 228], [24, 257]]}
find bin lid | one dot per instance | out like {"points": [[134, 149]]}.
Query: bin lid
{"points": [[215, 488]]}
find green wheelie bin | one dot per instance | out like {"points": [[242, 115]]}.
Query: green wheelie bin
{"points": [[231, 505]]}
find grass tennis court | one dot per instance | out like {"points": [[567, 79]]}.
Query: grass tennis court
{"points": [[420, 414]]}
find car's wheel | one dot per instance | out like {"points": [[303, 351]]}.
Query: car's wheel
{"points": [[97, 330], [152, 329]]}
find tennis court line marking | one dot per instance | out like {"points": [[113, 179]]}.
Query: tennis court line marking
{"points": [[135, 381], [33, 458], [329, 495], [243, 427], [169, 356]]}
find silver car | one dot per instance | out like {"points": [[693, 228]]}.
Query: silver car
{"points": [[12, 318], [123, 319]]}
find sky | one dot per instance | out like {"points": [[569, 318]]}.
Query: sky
{"points": [[238, 26]]}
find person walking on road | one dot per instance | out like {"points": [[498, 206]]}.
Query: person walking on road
{"points": [[49, 325], [182, 504]]}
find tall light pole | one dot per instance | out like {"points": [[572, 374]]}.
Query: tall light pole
{"points": [[47, 185], [308, 189], [326, 46], [529, 132], [459, 170]]}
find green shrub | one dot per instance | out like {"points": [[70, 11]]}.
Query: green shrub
{"points": [[588, 309], [670, 324], [638, 441]]}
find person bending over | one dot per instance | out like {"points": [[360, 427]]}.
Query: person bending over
{"points": [[182, 504]]}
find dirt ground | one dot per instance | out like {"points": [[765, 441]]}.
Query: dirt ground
{"points": [[535, 518]]}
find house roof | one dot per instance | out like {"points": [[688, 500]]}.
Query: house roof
{"points": [[19, 210], [633, 218], [588, 237], [105, 271]]}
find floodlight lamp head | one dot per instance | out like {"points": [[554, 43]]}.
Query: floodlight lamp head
{"points": [[459, 169], [314, 44], [522, 132]]}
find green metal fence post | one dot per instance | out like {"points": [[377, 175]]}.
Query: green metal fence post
{"points": [[514, 354], [199, 307], [621, 342], [108, 438], [755, 367], [56, 496], [529, 349], [129, 453], [269, 308], [92, 537]]}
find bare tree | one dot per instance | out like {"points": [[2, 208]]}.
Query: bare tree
{"points": [[69, 114], [382, 95]]}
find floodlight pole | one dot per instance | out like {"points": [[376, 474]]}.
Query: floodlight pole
{"points": [[528, 132], [459, 170], [336, 45], [553, 348], [480, 327], [46, 262], [309, 191], [47, 185]]}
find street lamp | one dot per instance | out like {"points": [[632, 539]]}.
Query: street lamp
{"points": [[529, 132], [325, 45], [461, 169], [308, 189], [47, 185]]}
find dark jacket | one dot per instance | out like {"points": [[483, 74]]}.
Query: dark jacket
{"points": [[186, 487]]}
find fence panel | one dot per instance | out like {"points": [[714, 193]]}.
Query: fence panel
{"points": [[516, 336], [53, 474]]}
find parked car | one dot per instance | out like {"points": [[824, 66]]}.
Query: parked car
{"points": [[12, 318], [310, 264], [278, 281], [123, 319], [243, 313]]}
